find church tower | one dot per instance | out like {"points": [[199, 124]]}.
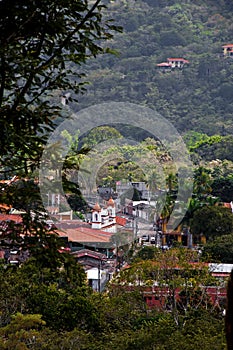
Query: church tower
{"points": [[96, 221], [111, 210]]}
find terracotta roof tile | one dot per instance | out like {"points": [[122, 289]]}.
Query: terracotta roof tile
{"points": [[83, 234], [121, 221], [228, 45], [90, 253], [164, 64], [178, 59], [5, 207], [11, 217]]}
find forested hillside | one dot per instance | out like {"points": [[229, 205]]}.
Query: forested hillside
{"points": [[48, 303], [198, 97]]}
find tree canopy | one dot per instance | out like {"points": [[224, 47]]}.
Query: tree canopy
{"points": [[212, 221], [42, 46], [220, 249]]}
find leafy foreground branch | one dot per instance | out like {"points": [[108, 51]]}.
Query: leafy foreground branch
{"points": [[42, 45]]}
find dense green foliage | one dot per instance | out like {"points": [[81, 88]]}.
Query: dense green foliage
{"points": [[43, 309], [46, 303], [197, 98], [212, 221], [157, 332], [40, 47], [221, 249], [223, 188]]}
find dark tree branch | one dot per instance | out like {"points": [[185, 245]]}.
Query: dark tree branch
{"points": [[3, 77], [40, 67]]}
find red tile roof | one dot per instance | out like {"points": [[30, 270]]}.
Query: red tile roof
{"points": [[11, 217], [178, 59], [164, 64], [10, 181], [63, 225], [90, 253], [227, 205], [228, 45], [84, 234], [121, 221], [5, 207]]}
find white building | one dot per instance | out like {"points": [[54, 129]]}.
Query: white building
{"points": [[140, 186], [97, 278]]}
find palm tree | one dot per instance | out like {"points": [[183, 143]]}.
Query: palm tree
{"points": [[202, 182], [171, 181], [194, 204]]}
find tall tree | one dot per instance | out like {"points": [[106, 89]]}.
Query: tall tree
{"points": [[202, 182], [42, 44]]}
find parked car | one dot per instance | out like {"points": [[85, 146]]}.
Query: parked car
{"points": [[152, 240], [145, 238], [165, 247]]}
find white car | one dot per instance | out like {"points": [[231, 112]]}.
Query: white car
{"points": [[145, 238], [165, 247], [152, 240]]}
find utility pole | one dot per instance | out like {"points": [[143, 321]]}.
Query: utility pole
{"points": [[99, 266]]}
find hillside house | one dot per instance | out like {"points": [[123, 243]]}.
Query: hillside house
{"points": [[177, 62], [173, 63], [227, 50], [165, 66]]}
